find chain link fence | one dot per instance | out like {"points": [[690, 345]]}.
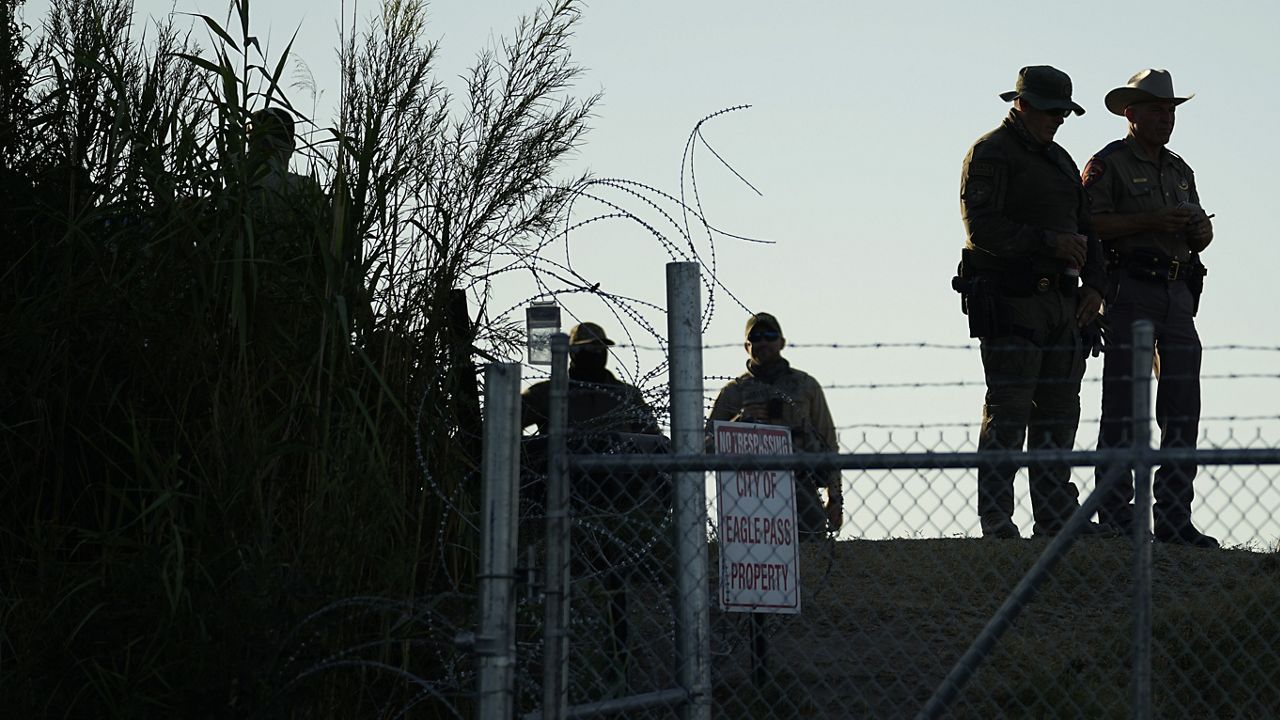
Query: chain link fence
{"points": [[650, 580]]}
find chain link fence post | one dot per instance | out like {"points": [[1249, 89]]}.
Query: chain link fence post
{"points": [[1143, 351], [555, 671], [693, 623], [495, 645]]}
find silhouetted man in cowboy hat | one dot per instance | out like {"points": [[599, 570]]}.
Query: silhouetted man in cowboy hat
{"points": [[1030, 244], [1147, 211]]}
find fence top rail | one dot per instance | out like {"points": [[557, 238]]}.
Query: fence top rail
{"points": [[916, 460]]}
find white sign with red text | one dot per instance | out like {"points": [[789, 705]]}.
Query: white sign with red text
{"points": [[759, 565]]}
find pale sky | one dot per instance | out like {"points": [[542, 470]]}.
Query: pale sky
{"points": [[861, 115]]}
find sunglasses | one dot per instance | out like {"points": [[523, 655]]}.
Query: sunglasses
{"points": [[759, 335], [1056, 112]]}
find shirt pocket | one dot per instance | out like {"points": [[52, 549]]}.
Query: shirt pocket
{"points": [[1141, 187]]}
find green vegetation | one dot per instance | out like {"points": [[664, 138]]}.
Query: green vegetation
{"points": [[239, 417]]}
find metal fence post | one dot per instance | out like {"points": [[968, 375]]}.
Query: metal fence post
{"points": [[693, 622], [1143, 351], [555, 669], [495, 645]]}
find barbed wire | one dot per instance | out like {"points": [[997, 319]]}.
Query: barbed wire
{"points": [[927, 345]]}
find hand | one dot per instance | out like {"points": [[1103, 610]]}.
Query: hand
{"points": [[1170, 220], [1068, 246], [1199, 232], [755, 412], [1088, 303], [1094, 336], [835, 511]]}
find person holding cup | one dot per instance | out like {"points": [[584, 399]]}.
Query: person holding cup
{"points": [[772, 392]]}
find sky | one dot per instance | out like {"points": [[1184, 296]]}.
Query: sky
{"points": [[861, 114]]}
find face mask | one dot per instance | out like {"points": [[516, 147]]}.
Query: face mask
{"points": [[588, 360]]}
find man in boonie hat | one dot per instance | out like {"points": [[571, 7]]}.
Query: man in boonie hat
{"points": [[774, 393], [1030, 244], [1147, 210]]}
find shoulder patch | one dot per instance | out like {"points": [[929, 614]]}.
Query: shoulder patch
{"points": [[977, 192], [982, 169], [1093, 172]]}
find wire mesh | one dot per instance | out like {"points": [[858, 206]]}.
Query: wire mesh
{"points": [[890, 606], [892, 600]]}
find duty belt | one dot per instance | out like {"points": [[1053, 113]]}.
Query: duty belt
{"points": [[1023, 284], [1149, 266]]}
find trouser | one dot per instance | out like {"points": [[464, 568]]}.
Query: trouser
{"points": [[811, 516], [1033, 369], [1169, 307]]}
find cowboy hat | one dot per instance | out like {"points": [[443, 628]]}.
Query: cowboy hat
{"points": [[1146, 86]]}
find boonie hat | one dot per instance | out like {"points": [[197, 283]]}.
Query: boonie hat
{"points": [[588, 333], [764, 319], [1146, 86], [1045, 88]]}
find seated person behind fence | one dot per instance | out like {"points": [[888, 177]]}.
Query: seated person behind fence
{"points": [[774, 393], [598, 401]]}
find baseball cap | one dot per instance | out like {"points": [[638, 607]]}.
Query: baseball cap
{"points": [[765, 319], [588, 333]]}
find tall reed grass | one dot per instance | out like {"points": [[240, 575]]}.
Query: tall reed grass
{"points": [[239, 415]]}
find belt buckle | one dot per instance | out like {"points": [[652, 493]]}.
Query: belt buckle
{"points": [[1175, 268]]}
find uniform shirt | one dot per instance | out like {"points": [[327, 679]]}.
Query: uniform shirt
{"points": [[1121, 178], [1014, 194], [795, 395]]}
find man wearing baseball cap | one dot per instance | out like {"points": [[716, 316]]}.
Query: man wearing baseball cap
{"points": [[1030, 244], [598, 400], [599, 407], [1147, 211], [774, 393]]}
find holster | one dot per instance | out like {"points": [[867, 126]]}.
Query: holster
{"points": [[1195, 282], [978, 299]]}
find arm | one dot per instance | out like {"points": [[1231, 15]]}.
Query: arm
{"points": [[533, 406], [983, 185], [1199, 232], [725, 408], [1093, 273], [1199, 229], [825, 428], [1164, 220]]}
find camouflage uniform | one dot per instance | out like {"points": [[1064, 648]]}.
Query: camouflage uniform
{"points": [[1017, 193]]}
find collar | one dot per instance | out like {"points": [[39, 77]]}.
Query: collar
{"points": [[601, 376], [768, 373], [1014, 122], [1140, 152]]}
